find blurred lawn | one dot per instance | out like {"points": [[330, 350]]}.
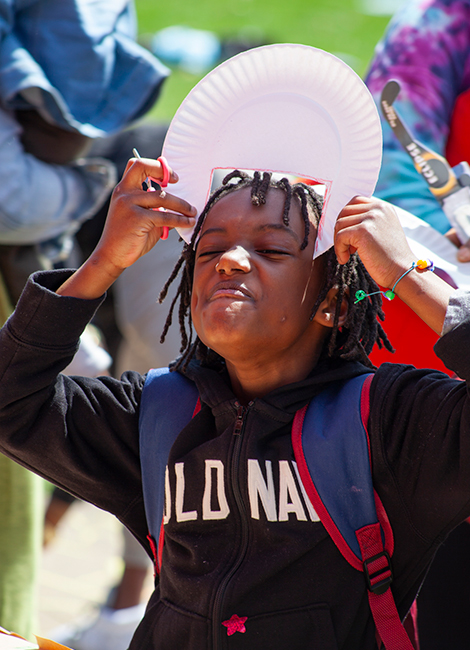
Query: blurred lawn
{"points": [[344, 27]]}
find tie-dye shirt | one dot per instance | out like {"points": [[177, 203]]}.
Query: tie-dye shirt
{"points": [[427, 49]]}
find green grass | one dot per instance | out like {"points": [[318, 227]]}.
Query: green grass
{"points": [[334, 25]]}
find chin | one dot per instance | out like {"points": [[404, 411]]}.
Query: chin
{"points": [[223, 322], [222, 336]]}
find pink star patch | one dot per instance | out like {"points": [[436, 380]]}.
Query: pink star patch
{"points": [[235, 624]]}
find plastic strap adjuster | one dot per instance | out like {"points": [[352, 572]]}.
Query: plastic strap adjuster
{"points": [[377, 582]]}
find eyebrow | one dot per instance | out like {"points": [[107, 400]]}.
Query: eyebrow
{"points": [[266, 227]]}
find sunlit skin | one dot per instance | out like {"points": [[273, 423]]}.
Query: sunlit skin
{"points": [[253, 293]]}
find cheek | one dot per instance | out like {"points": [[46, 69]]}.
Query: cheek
{"points": [[296, 297], [198, 303], [194, 304]]}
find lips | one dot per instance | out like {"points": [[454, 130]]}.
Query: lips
{"points": [[229, 290]]}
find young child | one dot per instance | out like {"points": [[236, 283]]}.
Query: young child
{"points": [[274, 329]]}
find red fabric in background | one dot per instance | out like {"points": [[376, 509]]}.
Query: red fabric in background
{"points": [[458, 143]]}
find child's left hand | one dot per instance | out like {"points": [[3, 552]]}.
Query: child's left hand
{"points": [[371, 227]]}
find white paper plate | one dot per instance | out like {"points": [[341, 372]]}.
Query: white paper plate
{"points": [[285, 108], [427, 243]]}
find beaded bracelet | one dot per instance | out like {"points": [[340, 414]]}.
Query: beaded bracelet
{"points": [[420, 265]]}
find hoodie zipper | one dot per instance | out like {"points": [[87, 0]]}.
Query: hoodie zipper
{"points": [[238, 431], [239, 422]]}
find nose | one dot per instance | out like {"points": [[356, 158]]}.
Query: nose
{"points": [[234, 260]]}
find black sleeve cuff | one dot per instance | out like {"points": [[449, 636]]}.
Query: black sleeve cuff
{"points": [[44, 319], [453, 349]]}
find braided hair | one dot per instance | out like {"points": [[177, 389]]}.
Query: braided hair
{"points": [[353, 341]]}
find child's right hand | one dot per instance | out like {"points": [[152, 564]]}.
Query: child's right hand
{"points": [[133, 227], [135, 223]]}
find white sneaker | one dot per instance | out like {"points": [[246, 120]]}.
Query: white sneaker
{"points": [[111, 629]]}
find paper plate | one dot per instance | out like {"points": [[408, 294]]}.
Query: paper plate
{"points": [[286, 108], [427, 243]]}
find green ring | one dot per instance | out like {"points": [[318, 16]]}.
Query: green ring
{"points": [[360, 295]]}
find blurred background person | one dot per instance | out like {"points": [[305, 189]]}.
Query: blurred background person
{"points": [[427, 49], [70, 73]]}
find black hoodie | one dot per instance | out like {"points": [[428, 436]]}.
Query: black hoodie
{"points": [[267, 567]]}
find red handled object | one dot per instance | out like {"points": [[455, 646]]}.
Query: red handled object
{"points": [[163, 183]]}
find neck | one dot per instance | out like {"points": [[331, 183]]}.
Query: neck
{"points": [[255, 379]]}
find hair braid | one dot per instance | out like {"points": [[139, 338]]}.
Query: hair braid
{"points": [[362, 328], [254, 188], [263, 188], [287, 187], [302, 192]]}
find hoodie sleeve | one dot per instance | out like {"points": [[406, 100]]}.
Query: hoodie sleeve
{"points": [[80, 433], [420, 432]]}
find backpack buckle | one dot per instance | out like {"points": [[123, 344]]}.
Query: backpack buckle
{"points": [[379, 576]]}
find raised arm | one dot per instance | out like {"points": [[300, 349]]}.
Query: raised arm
{"points": [[133, 227], [371, 227]]}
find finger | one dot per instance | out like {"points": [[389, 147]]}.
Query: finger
{"points": [[353, 229], [357, 204], [347, 221], [138, 169], [129, 164], [156, 200], [169, 219], [344, 244], [362, 204]]}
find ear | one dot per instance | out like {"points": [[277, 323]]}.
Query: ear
{"points": [[325, 314]]}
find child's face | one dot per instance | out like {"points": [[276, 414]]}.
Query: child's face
{"points": [[253, 288]]}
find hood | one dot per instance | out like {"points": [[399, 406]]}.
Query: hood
{"points": [[215, 389]]}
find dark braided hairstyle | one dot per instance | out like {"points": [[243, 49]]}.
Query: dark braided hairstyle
{"points": [[353, 341]]}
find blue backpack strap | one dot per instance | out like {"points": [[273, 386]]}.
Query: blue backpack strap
{"points": [[330, 436], [332, 450], [167, 405]]}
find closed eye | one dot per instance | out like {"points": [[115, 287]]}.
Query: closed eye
{"points": [[208, 253], [271, 251]]}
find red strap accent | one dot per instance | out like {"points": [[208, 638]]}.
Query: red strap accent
{"points": [[197, 408], [384, 610], [381, 513], [385, 524], [411, 625], [154, 552], [161, 541]]}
